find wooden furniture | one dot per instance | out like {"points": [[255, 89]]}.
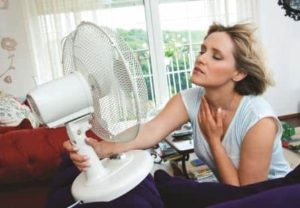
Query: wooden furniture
{"points": [[184, 145]]}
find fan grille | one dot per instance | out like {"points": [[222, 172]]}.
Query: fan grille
{"points": [[115, 77]]}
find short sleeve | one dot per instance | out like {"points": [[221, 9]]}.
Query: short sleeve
{"points": [[191, 100], [255, 110]]}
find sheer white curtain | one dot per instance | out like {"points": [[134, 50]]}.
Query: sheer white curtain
{"points": [[49, 21], [229, 12]]}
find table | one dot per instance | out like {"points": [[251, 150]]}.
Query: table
{"points": [[184, 145]]}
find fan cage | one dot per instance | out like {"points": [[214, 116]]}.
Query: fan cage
{"points": [[115, 76]]}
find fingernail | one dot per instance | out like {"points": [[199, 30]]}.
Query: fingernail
{"points": [[219, 110]]}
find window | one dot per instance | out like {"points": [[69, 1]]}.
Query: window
{"points": [[165, 35], [184, 25]]}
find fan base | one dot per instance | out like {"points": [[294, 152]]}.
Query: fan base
{"points": [[123, 175]]}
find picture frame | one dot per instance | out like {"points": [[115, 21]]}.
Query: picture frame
{"points": [[291, 7]]}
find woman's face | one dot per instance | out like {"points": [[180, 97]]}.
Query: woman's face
{"points": [[215, 65]]}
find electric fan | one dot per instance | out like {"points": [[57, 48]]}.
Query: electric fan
{"points": [[103, 90]]}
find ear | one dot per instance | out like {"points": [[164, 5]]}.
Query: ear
{"points": [[239, 76]]}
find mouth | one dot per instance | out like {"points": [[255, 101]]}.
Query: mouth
{"points": [[198, 70]]}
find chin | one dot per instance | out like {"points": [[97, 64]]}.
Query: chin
{"points": [[197, 80]]}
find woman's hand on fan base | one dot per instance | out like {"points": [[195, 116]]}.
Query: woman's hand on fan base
{"points": [[103, 149], [80, 161]]}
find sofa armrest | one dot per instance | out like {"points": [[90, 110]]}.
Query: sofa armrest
{"points": [[25, 124], [30, 154]]}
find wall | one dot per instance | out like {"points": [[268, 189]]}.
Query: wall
{"points": [[16, 69], [280, 36]]}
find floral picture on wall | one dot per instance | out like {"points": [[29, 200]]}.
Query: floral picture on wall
{"points": [[3, 4], [8, 48], [8, 45]]}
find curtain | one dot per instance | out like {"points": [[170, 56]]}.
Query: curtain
{"points": [[49, 21]]}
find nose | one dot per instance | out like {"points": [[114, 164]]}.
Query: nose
{"points": [[200, 59]]}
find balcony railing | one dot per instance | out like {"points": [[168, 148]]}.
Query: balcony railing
{"points": [[178, 69]]}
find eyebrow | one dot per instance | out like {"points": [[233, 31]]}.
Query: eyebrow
{"points": [[214, 49]]}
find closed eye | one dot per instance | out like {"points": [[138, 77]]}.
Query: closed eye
{"points": [[217, 57]]}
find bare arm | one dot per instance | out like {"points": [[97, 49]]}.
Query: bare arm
{"points": [[255, 156], [255, 153], [170, 118]]}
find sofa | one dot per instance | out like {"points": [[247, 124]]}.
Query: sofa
{"points": [[28, 159]]}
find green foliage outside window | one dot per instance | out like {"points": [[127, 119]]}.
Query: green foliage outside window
{"points": [[176, 48]]}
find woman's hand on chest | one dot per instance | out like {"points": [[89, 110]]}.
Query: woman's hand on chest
{"points": [[211, 123]]}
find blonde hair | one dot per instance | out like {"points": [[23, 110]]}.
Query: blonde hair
{"points": [[248, 58]]}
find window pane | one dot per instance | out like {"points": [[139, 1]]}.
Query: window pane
{"points": [[128, 19], [125, 17], [184, 24]]}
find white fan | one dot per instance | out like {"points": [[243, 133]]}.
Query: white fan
{"points": [[103, 89]]}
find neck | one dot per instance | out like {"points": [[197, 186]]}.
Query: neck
{"points": [[227, 101]]}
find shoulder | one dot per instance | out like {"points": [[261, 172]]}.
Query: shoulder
{"points": [[256, 110], [192, 94], [191, 99], [257, 106]]}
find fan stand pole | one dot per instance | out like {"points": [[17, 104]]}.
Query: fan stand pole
{"points": [[104, 180], [76, 130]]}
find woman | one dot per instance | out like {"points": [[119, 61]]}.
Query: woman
{"points": [[235, 131]]}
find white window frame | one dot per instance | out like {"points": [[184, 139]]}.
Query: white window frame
{"points": [[156, 51], [157, 60]]}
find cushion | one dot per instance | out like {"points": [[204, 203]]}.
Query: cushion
{"points": [[30, 154], [12, 111]]}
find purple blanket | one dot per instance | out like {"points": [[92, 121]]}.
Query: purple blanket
{"points": [[175, 192], [179, 192], [145, 195]]}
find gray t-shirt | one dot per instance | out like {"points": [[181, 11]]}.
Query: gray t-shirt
{"points": [[250, 110]]}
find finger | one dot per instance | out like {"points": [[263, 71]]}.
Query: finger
{"points": [[81, 166], [219, 118], [78, 158], [69, 147], [199, 118], [213, 113]]}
